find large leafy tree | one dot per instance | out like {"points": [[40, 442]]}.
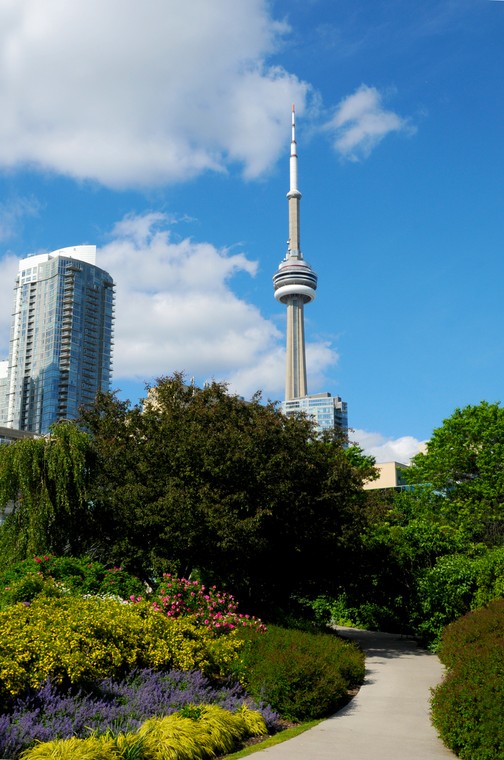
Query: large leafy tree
{"points": [[463, 470], [200, 480], [432, 552]]}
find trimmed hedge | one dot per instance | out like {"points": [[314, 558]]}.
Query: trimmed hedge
{"points": [[468, 707], [302, 675]]}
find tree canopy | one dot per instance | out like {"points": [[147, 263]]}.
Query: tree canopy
{"points": [[198, 480], [464, 468]]}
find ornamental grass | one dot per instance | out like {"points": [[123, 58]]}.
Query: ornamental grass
{"points": [[209, 732]]}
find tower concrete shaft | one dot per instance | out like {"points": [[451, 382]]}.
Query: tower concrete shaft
{"points": [[295, 284]]}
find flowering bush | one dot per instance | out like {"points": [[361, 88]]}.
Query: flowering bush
{"points": [[76, 640], [216, 610]]}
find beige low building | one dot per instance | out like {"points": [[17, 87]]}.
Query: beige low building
{"points": [[391, 475]]}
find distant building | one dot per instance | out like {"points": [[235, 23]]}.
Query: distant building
{"points": [[295, 284], [4, 369], [9, 435], [391, 475], [61, 339], [328, 412]]}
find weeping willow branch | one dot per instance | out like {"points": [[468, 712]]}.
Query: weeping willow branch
{"points": [[44, 481]]}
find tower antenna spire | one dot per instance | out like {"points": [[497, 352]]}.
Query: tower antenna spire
{"points": [[295, 284], [293, 154]]}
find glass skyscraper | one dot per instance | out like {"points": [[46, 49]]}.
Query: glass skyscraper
{"points": [[61, 339], [327, 412]]}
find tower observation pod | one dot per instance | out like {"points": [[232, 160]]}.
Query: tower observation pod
{"points": [[295, 284]]}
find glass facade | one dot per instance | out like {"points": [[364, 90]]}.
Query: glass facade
{"points": [[61, 339], [328, 412]]}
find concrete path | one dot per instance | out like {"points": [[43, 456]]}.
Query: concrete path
{"points": [[389, 717]]}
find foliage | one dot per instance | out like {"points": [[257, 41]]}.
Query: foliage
{"points": [[339, 611], [436, 594], [464, 465], [55, 576], [92, 748], [214, 731], [178, 597], [198, 480], [445, 592], [75, 640], [27, 588], [45, 482], [489, 577], [469, 704], [418, 559], [412, 568], [301, 675], [120, 706]]}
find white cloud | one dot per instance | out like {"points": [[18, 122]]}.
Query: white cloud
{"points": [[12, 212], [130, 93], [176, 311], [361, 122], [387, 449]]}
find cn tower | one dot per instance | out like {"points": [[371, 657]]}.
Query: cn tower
{"points": [[295, 284]]}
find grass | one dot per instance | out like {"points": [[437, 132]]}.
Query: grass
{"points": [[282, 736]]}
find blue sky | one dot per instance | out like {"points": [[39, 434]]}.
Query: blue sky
{"points": [[160, 131]]}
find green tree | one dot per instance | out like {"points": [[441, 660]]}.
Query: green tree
{"points": [[463, 470], [198, 480], [43, 490], [432, 552]]}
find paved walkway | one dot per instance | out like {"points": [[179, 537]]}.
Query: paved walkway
{"points": [[388, 719]]}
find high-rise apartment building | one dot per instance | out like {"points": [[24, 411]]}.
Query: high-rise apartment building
{"points": [[295, 284], [327, 412], [61, 339]]}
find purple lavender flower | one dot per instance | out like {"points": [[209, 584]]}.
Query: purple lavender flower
{"points": [[51, 713]]}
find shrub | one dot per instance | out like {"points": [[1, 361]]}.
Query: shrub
{"points": [[215, 609], [75, 640], [58, 575], [301, 675], [489, 577], [25, 589], [469, 704], [444, 593]]}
